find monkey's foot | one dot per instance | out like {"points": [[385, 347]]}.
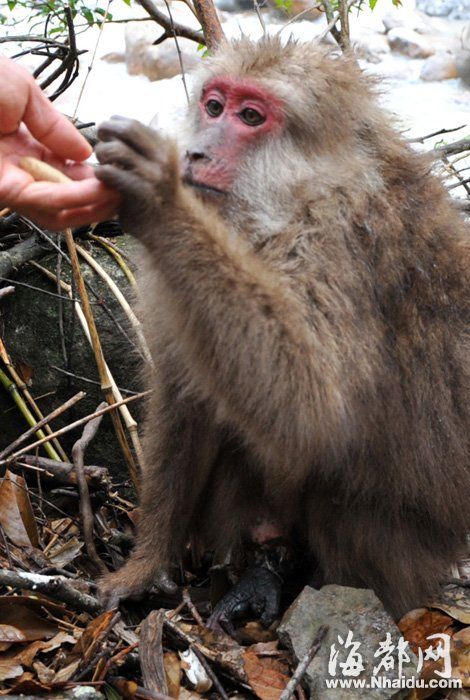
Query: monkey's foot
{"points": [[257, 593], [128, 582]]}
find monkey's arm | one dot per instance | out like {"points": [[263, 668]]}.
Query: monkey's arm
{"points": [[275, 371]]}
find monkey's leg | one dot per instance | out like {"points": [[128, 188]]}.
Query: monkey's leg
{"points": [[180, 447], [379, 548]]}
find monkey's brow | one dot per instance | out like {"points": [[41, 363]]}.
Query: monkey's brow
{"points": [[242, 88]]}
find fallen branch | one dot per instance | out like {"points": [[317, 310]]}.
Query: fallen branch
{"points": [[13, 258], [450, 149], [151, 653], [56, 587], [64, 472]]}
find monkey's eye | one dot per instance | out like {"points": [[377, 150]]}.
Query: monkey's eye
{"points": [[214, 108], [251, 117]]}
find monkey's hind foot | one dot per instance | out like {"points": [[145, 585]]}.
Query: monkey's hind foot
{"points": [[258, 593], [132, 583]]}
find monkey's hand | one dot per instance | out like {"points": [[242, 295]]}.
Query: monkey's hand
{"points": [[132, 581], [257, 593], [142, 166]]}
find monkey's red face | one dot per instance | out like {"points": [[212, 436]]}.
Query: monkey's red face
{"points": [[234, 116]]}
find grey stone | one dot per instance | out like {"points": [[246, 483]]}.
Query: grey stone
{"points": [[405, 18], [409, 43], [441, 66], [345, 610], [454, 9]]}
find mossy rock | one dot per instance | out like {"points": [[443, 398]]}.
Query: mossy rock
{"points": [[32, 337]]}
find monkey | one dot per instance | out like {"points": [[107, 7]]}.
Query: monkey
{"points": [[306, 287]]}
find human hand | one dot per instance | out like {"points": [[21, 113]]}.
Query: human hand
{"points": [[47, 135]]}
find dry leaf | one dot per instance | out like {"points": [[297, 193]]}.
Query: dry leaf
{"points": [[254, 632], [60, 526], [186, 694], [460, 653], [419, 624], [16, 514], [25, 371], [62, 554], [11, 634], [27, 654], [30, 625], [35, 602], [9, 669], [456, 603], [27, 684], [91, 636], [44, 674], [65, 674], [266, 681], [172, 667]]}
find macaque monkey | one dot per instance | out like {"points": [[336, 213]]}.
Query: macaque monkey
{"points": [[307, 293]]}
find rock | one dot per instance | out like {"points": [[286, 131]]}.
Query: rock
{"points": [[156, 62], [454, 9], [409, 19], [463, 56], [441, 66], [463, 66], [32, 338], [234, 5], [347, 611], [409, 43], [371, 48]]}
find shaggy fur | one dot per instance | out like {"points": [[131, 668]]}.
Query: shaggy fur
{"points": [[311, 337]]}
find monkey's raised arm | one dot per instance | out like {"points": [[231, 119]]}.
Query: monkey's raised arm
{"points": [[252, 343]]}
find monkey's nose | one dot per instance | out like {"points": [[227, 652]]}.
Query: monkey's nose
{"points": [[194, 156]]}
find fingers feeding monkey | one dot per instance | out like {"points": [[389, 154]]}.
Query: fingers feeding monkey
{"points": [[306, 282]]}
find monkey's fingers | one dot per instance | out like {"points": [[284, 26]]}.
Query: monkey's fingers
{"points": [[165, 583], [115, 153], [140, 138], [125, 182]]}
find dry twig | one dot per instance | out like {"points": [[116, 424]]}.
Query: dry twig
{"points": [[47, 419], [86, 512], [299, 672], [72, 426]]}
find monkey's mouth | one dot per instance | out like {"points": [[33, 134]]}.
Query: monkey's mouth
{"points": [[201, 186]]}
